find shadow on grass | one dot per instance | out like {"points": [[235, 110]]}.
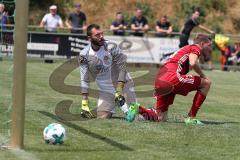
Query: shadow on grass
{"points": [[208, 122], [218, 123], [67, 149], [118, 118], [87, 132]]}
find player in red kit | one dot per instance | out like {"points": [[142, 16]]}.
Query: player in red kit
{"points": [[173, 79]]}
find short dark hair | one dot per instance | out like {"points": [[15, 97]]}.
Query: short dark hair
{"points": [[138, 9], [201, 38], [90, 27], [165, 16], [77, 5], [118, 13], [196, 10]]}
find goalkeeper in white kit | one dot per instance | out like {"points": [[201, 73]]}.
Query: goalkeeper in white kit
{"points": [[106, 63]]}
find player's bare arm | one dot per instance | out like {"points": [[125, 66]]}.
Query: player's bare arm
{"points": [[113, 28], [205, 28], [193, 61], [42, 24], [68, 24], [85, 96], [60, 24], [134, 27], [146, 27]]}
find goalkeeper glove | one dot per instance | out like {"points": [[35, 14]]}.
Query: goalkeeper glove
{"points": [[119, 99], [86, 113], [85, 105]]}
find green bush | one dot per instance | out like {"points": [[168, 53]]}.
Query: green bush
{"points": [[236, 23], [218, 5], [187, 7]]}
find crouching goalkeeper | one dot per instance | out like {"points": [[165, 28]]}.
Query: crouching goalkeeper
{"points": [[105, 62]]}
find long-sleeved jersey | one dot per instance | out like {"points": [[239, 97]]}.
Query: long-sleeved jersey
{"points": [[107, 66]]}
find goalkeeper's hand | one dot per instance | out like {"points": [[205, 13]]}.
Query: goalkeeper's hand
{"points": [[85, 105], [119, 99], [86, 113]]}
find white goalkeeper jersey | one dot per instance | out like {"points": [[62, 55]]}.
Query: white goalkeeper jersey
{"points": [[106, 66]]}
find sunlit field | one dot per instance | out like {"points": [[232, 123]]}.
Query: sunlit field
{"points": [[116, 138]]}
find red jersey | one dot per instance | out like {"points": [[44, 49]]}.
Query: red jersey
{"points": [[179, 61]]}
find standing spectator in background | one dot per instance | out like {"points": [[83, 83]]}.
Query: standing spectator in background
{"points": [[3, 17], [139, 23], [51, 21], [119, 25], [188, 26], [163, 27], [77, 20]]}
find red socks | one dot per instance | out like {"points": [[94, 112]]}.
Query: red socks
{"points": [[197, 102], [148, 114], [159, 106], [152, 115]]}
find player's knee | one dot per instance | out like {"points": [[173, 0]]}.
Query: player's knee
{"points": [[104, 114], [208, 83]]}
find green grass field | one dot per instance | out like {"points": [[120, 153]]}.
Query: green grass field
{"points": [[115, 138]]}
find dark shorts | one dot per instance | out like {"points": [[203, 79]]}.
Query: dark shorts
{"points": [[183, 40]]}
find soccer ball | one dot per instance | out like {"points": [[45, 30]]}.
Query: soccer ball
{"points": [[54, 133]]}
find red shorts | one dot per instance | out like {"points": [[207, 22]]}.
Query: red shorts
{"points": [[189, 83], [169, 84]]}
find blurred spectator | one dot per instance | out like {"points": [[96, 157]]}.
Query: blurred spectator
{"points": [[139, 23], [51, 21], [3, 17], [226, 53], [119, 25], [163, 27], [222, 43], [188, 26], [77, 20], [234, 58]]}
